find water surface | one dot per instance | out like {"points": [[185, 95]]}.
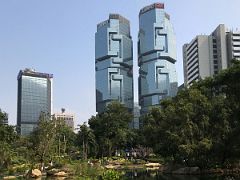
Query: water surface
{"points": [[155, 175]]}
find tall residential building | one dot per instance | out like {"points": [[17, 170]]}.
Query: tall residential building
{"points": [[113, 62], [233, 45], [196, 59], [68, 118], [206, 55], [156, 56], [34, 97]]}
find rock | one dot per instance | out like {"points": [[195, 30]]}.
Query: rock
{"points": [[187, 170], [59, 178], [35, 173], [194, 170], [60, 174], [152, 168], [110, 166], [153, 165], [117, 163], [51, 172], [218, 170], [66, 169], [180, 171], [169, 168], [10, 177]]}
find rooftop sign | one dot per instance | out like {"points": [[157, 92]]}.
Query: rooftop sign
{"points": [[152, 6]]}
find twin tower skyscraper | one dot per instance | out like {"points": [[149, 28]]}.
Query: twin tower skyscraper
{"points": [[156, 59]]}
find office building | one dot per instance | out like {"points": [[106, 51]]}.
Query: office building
{"points": [[113, 63], [136, 115], [156, 57], [207, 55], [67, 118], [34, 98]]}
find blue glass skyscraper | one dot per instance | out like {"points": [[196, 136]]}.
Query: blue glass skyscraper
{"points": [[113, 63], [34, 97], [156, 56]]}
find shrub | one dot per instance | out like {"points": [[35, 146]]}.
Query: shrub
{"points": [[111, 175]]}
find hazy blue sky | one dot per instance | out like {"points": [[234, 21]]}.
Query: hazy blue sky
{"points": [[57, 36]]}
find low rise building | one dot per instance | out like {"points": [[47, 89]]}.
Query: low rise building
{"points": [[68, 118]]}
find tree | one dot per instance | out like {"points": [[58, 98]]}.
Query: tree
{"points": [[5, 155], [201, 125], [111, 128], [65, 139], [8, 137], [86, 140], [43, 138], [3, 116]]}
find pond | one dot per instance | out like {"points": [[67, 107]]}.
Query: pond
{"points": [[141, 174], [155, 175]]}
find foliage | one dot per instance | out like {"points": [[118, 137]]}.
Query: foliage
{"points": [[3, 116], [7, 138], [86, 141], [65, 139], [51, 140], [18, 169], [86, 170], [201, 125], [7, 133], [42, 139], [111, 175], [198, 127], [111, 129], [5, 155]]}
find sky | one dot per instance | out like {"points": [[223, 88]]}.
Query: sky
{"points": [[58, 37]]}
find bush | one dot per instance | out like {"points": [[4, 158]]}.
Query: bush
{"points": [[111, 175], [83, 169]]}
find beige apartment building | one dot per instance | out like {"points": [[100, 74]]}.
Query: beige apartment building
{"points": [[68, 118], [206, 55]]}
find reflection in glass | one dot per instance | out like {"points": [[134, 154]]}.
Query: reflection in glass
{"points": [[113, 63], [156, 57], [34, 97]]}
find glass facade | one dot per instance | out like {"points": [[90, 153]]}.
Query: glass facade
{"points": [[156, 56], [113, 63], [34, 97], [136, 115]]}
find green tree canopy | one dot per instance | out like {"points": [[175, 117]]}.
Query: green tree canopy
{"points": [[86, 141], [201, 125], [8, 137], [111, 128]]}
